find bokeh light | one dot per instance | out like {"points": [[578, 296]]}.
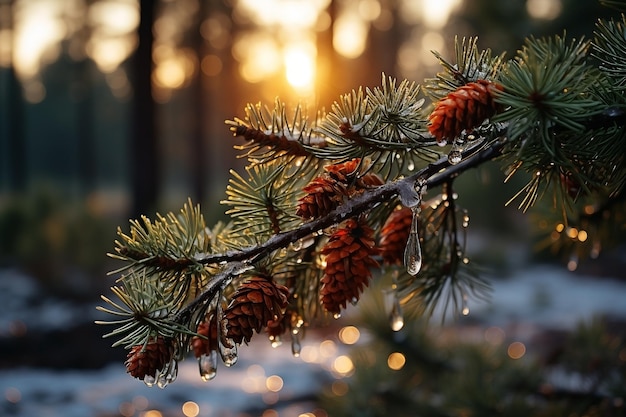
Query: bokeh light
{"points": [[396, 361], [544, 9], [516, 350], [349, 335], [190, 409], [343, 365]]}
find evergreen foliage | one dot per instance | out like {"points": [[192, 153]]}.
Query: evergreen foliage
{"points": [[554, 111]]}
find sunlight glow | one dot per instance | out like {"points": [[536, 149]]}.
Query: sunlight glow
{"points": [[38, 32], [350, 35], [112, 39], [283, 41], [114, 18], [299, 67], [544, 9], [259, 56], [433, 14]]}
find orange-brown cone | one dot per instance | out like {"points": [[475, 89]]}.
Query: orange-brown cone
{"points": [[349, 256], [256, 302], [142, 361], [208, 329], [325, 192], [394, 235], [322, 196], [464, 108]]}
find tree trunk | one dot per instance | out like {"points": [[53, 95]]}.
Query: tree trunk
{"points": [[144, 164]]}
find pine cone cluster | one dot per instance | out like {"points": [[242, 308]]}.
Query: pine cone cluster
{"points": [[257, 302], [208, 329], [394, 235], [149, 359], [327, 191], [349, 256], [464, 108]]}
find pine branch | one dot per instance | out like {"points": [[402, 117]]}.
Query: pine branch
{"points": [[358, 205]]}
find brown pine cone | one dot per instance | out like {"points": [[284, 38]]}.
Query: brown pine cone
{"points": [[208, 329], [256, 302], [148, 360], [343, 171], [323, 195], [349, 257], [464, 108], [394, 235]]}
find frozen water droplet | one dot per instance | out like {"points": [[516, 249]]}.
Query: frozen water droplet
{"points": [[465, 308], [396, 318], [168, 374], [228, 352], [337, 316], [354, 301], [455, 156], [162, 382], [296, 347], [410, 166], [413, 250], [149, 380], [207, 365], [408, 195]]}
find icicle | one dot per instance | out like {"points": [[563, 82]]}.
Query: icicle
{"points": [[228, 352], [207, 365], [464, 307], [296, 346], [168, 374], [149, 380], [396, 317], [413, 250]]}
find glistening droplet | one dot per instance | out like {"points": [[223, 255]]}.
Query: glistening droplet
{"points": [[149, 380], [296, 346], [207, 365], [413, 250], [396, 317], [168, 374], [455, 156], [228, 352]]}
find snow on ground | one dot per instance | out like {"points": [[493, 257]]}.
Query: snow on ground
{"points": [[542, 296]]}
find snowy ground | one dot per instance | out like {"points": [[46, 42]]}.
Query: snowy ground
{"points": [[270, 382]]}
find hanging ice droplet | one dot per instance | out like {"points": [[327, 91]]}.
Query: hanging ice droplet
{"points": [[455, 156], [337, 316], [413, 250], [396, 318], [296, 346], [207, 365], [149, 380], [465, 308], [168, 375], [228, 352], [354, 301]]}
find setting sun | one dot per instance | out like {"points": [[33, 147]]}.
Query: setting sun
{"points": [[299, 68]]}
